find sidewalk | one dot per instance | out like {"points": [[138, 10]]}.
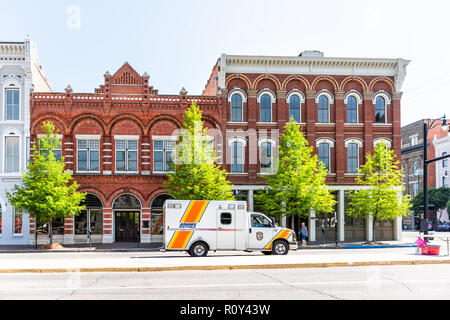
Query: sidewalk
{"points": [[129, 258]]}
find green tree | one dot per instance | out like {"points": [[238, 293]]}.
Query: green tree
{"points": [[381, 174], [438, 197], [46, 192], [196, 175], [298, 184]]}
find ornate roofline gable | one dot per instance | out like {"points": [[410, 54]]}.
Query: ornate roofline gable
{"points": [[127, 75]]}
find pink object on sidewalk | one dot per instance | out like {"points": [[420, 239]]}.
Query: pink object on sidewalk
{"points": [[421, 243]]}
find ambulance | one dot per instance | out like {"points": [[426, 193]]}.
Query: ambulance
{"points": [[198, 226]]}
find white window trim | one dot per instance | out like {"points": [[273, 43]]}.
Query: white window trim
{"points": [[163, 138], [126, 137], [244, 100], [89, 138], [330, 142], [273, 144], [330, 97], [272, 96], [17, 86], [359, 143], [300, 95], [387, 100], [359, 100], [387, 141], [15, 133], [243, 142]]}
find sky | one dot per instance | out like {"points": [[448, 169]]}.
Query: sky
{"points": [[178, 42]]}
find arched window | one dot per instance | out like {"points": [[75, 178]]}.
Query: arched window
{"points": [[237, 157], [352, 158], [12, 104], [126, 201], [294, 108], [444, 161], [266, 148], [380, 110], [324, 109], [265, 108], [324, 154], [92, 216], [352, 110], [236, 108], [157, 218]]}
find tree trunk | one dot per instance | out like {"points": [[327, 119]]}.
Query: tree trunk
{"points": [[50, 231], [373, 227], [35, 234]]}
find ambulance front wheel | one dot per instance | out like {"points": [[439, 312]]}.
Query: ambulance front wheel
{"points": [[198, 249], [280, 247]]}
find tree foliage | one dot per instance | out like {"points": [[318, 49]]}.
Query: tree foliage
{"points": [[299, 183], [196, 175], [46, 192], [381, 175]]}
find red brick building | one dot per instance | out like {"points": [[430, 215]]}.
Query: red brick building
{"points": [[118, 140]]}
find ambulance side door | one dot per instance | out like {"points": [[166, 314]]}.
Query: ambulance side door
{"points": [[260, 232], [226, 229]]}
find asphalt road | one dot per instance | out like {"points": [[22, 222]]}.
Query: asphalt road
{"points": [[347, 283]]}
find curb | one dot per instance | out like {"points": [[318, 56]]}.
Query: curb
{"points": [[228, 267]]}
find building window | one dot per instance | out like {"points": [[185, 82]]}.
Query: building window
{"points": [[324, 155], [237, 157], [444, 181], [12, 154], [352, 158], [57, 152], [444, 161], [324, 108], [12, 104], [380, 110], [92, 216], [352, 110], [236, 108], [266, 108], [414, 188], [266, 158], [88, 155], [126, 155], [415, 167], [414, 140], [18, 220], [162, 156], [294, 108]]}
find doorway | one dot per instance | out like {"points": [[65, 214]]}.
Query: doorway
{"points": [[127, 226]]}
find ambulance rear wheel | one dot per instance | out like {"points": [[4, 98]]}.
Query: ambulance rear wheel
{"points": [[198, 249], [280, 247]]}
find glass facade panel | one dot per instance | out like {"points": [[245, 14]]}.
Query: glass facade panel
{"points": [[12, 104], [265, 108], [236, 108], [237, 161], [352, 110], [324, 109], [12, 154], [324, 154], [380, 110], [294, 108], [352, 158]]}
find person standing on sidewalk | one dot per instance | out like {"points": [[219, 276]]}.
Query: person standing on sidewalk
{"points": [[303, 234]]}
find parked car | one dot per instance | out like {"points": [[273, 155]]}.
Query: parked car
{"points": [[444, 226]]}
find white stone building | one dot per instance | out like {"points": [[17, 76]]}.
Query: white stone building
{"points": [[20, 73], [442, 147]]}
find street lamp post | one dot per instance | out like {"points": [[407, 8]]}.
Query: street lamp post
{"points": [[426, 128]]}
